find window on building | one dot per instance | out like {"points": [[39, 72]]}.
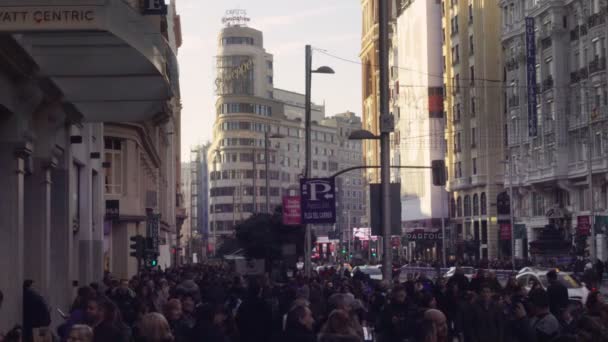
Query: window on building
{"points": [[474, 161], [472, 106], [457, 82], [315, 164], [452, 207], [459, 207], [471, 45], [270, 79], [483, 204], [538, 204], [269, 65], [472, 74], [467, 206], [113, 174], [459, 164], [473, 137], [475, 205], [470, 13]]}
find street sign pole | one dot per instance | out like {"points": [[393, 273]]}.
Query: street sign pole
{"points": [[308, 161]]}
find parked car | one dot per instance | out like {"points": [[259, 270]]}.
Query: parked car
{"points": [[528, 276], [374, 271]]}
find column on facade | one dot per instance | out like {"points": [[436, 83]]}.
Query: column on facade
{"points": [[37, 224], [61, 237], [13, 158]]}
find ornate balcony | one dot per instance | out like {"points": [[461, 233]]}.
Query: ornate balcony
{"points": [[513, 101], [597, 64]]}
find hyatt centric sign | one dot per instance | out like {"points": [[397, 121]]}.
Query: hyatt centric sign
{"points": [[50, 18]]}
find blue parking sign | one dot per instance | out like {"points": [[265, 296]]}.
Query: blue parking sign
{"points": [[318, 200]]}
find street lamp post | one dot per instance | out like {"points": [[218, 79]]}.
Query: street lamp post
{"points": [[307, 135], [267, 138]]}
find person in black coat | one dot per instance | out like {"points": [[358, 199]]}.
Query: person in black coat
{"points": [[299, 325], [36, 312], [558, 294], [254, 316], [397, 318]]}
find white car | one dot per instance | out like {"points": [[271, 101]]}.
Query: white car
{"points": [[577, 292], [469, 272], [374, 272]]}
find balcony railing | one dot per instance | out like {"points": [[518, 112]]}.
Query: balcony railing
{"points": [[582, 74], [512, 64], [574, 78], [596, 19], [548, 83], [597, 64]]}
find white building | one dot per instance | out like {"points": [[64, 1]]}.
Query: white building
{"points": [[549, 126], [247, 107], [416, 84]]}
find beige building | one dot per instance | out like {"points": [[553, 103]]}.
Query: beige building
{"points": [[63, 77], [474, 127]]}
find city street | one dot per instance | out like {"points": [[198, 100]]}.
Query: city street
{"points": [[303, 171]]}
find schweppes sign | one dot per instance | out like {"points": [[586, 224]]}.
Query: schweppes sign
{"points": [[18, 19]]}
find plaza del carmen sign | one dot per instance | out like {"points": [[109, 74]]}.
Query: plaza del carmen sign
{"points": [[35, 18]]}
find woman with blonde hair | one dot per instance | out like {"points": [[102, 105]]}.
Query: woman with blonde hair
{"points": [[154, 328], [80, 333]]}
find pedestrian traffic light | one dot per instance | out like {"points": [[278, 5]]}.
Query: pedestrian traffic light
{"points": [[138, 246], [438, 170]]}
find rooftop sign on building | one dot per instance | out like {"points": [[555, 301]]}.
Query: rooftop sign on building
{"points": [[235, 17]]}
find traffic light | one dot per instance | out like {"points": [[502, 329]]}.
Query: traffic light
{"points": [[438, 169], [138, 246]]}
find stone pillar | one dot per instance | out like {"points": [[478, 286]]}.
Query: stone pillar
{"points": [[14, 160], [62, 238], [37, 224]]}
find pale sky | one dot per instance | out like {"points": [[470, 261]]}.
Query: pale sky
{"points": [[288, 25]]}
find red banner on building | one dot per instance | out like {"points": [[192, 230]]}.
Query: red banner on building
{"points": [[505, 231], [583, 226], [292, 211]]}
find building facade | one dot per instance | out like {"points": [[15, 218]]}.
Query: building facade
{"points": [[251, 114], [472, 98], [58, 89], [556, 113], [417, 104]]}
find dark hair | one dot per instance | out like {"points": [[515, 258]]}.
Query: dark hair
{"points": [[85, 293], [552, 275], [293, 317], [592, 300], [426, 298], [1, 296], [539, 298], [426, 328]]}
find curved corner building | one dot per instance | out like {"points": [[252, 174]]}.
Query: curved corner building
{"points": [[245, 110]]}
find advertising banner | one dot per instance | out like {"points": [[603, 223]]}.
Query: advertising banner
{"points": [[292, 213], [423, 234], [583, 225], [505, 231]]}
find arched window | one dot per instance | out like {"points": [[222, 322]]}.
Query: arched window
{"points": [[467, 205], [452, 208], [459, 207], [484, 206], [475, 205]]}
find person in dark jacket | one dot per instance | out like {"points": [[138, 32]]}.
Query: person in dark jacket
{"points": [[460, 279], [486, 321], [558, 294], [104, 317], [254, 316], [299, 325], [174, 315], [397, 318], [36, 312], [125, 299], [599, 270]]}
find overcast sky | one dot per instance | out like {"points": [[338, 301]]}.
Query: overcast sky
{"points": [[331, 25]]}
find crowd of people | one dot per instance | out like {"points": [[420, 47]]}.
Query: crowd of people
{"points": [[211, 303]]}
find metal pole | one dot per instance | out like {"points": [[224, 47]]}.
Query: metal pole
{"points": [[511, 217], [266, 141], [385, 161], [255, 176], [443, 237], [308, 161], [592, 246]]}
